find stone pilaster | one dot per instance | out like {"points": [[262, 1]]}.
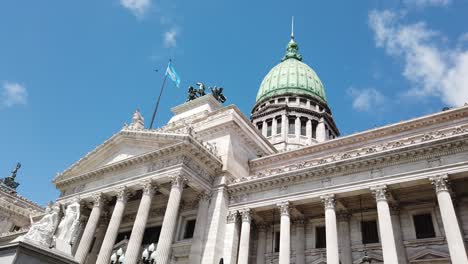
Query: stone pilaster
{"points": [[113, 228], [453, 233], [330, 228], [245, 237], [300, 237], [385, 225], [285, 233], [163, 250], [90, 229], [345, 237], [261, 245], [201, 222], [132, 253], [231, 238]]}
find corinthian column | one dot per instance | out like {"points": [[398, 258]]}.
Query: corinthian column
{"points": [[231, 238], [300, 237], [133, 249], [345, 239], [389, 251], [90, 229], [261, 244], [331, 233], [113, 228], [400, 246], [245, 237], [285, 234], [163, 251], [200, 224], [455, 241]]}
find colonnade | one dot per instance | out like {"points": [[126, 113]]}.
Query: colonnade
{"points": [[168, 229], [391, 243]]}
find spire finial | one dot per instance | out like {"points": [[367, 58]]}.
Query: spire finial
{"points": [[292, 27]]}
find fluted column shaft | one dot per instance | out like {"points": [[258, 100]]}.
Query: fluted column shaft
{"points": [[261, 244], [90, 229], [331, 233], [245, 237], [401, 251], [231, 238], [100, 233], [300, 237], [455, 241], [163, 250], [113, 228], [132, 254], [387, 238], [200, 225], [285, 234], [345, 238]]}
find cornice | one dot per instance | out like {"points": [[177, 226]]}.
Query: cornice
{"points": [[428, 146], [16, 197], [366, 136], [188, 146]]}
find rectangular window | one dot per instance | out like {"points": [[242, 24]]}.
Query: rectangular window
{"points": [[281, 100], [369, 232], [151, 235], [278, 126], [260, 126], [303, 101], [303, 127], [292, 99], [424, 226], [314, 129], [292, 126], [277, 241], [189, 228], [269, 124], [320, 237]]}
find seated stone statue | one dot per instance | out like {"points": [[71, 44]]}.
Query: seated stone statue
{"points": [[70, 221], [42, 231]]}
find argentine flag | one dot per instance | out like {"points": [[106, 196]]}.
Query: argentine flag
{"points": [[173, 74]]}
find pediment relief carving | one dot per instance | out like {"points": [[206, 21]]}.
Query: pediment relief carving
{"points": [[428, 254]]}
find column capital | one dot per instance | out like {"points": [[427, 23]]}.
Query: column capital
{"points": [[178, 181], [246, 215], [440, 183], [379, 192], [99, 199], [123, 194], [204, 196], [149, 187], [284, 208], [328, 201], [232, 217]]}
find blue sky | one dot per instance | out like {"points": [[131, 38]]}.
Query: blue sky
{"points": [[73, 72]]}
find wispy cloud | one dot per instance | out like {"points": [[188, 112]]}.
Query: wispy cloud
{"points": [[137, 7], [13, 94], [366, 99], [432, 69], [170, 38], [426, 3]]}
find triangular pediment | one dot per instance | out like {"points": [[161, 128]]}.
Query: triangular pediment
{"points": [[428, 254], [123, 145]]}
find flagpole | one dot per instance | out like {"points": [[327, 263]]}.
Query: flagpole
{"points": [[159, 98]]}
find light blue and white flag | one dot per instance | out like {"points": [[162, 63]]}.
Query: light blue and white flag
{"points": [[173, 74]]}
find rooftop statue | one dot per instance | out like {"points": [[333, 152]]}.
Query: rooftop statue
{"points": [[218, 94], [42, 231], [10, 180], [201, 89], [194, 93], [138, 122]]}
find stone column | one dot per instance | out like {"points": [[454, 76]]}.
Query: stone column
{"points": [[273, 127], [113, 228], [321, 133], [245, 237], [264, 128], [100, 233], [400, 246], [346, 256], [261, 245], [285, 234], [231, 238], [300, 237], [331, 233], [309, 131], [284, 126], [201, 222], [132, 254], [387, 238], [163, 250], [297, 126], [90, 229], [453, 233]]}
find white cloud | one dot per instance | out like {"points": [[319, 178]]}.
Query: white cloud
{"points": [[366, 99], [424, 3], [137, 7], [170, 40], [432, 69], [13, 94]]}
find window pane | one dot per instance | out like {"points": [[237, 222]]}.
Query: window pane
{"points": [[292, 126], [314, 130], [303, 127], [369, 232], [320, 237], [277, 241], [278, 126], [189, 228], [424, 226], [269, 123]]}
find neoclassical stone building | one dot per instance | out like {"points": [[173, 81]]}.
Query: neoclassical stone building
{"points": [[213, 187]]}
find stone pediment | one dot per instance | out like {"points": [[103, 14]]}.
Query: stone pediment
{"points": [[123, 145], [427, 255]]}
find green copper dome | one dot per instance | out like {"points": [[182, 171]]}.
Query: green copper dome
{"points": [[292, 77]]}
